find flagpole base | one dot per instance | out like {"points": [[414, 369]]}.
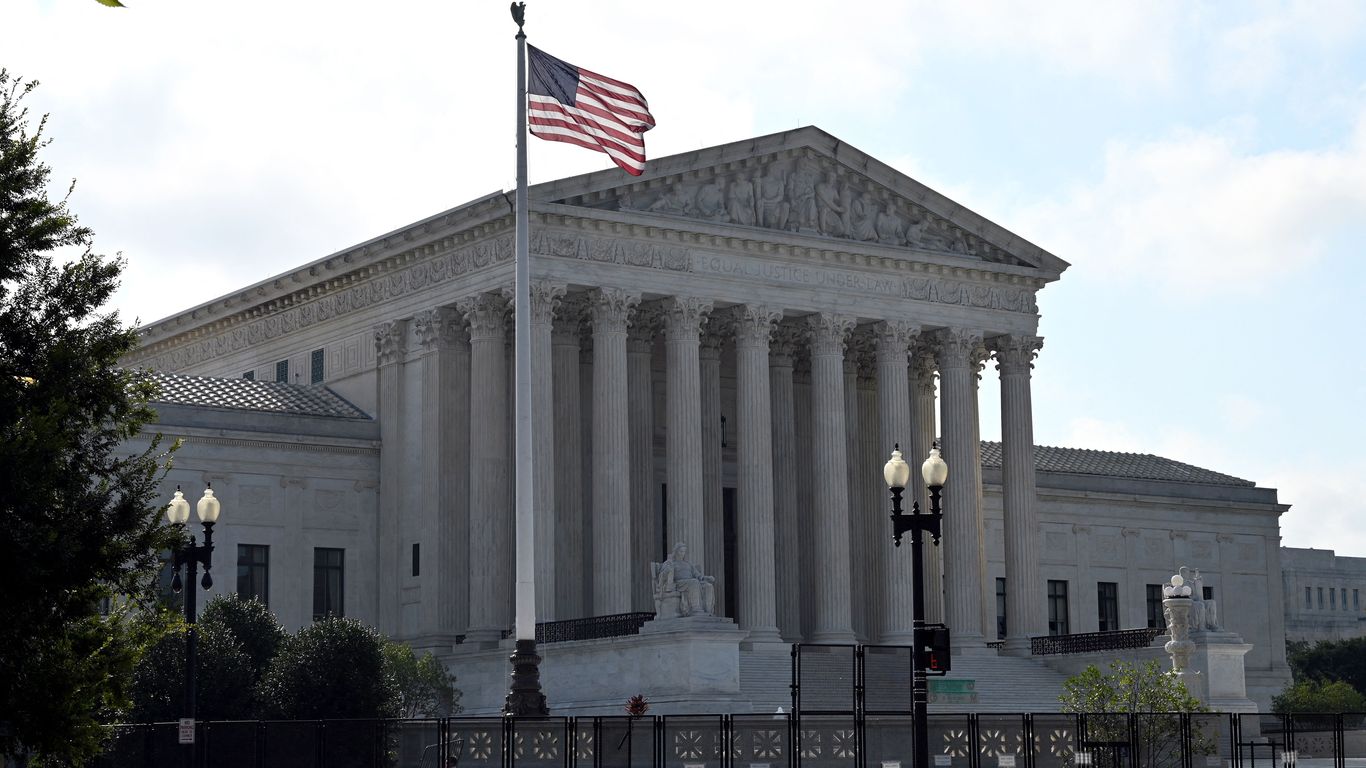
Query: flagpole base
{"points": [[525, 698]]}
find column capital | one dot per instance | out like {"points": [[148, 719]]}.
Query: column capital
{"points": [[684, 316], [859, 356], [486, 313], [569, 315], [829, 332], [894, 338], [958, 348], [1015, 354], [754, 324], [439, 328], [546, 296], [391, 342], [782, 348], [611, 308], [719, 328], [644, 325], [922, 364]]}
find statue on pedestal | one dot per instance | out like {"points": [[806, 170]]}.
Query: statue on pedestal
{"points": [[681, 589]]}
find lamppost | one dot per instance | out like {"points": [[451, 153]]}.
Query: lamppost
{"points": [[191, 555], [897, 473]]}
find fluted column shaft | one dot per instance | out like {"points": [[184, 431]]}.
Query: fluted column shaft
{"points": [[786, 521], [683, 317], [611, 313], [585, 573], [491, 518], [545, 298], [713, 495], [894, 415], [830, 481], [924, 436], [645, 543], [870, 506], [757, 607], [806, 511], [963, 550], [569, 544], [858, 556], [391, 345], [1024, 591]]}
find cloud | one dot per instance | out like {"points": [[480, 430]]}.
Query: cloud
{"points": [[1198, 213], [1328, 504]]}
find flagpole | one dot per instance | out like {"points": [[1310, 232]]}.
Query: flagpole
{"points": [[524, 696]]}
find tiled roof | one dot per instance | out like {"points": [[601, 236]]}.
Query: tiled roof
{"points": [[1139, 466], [249, 395]]}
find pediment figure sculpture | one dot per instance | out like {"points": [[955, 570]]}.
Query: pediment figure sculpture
{"points": [[804, 193]]}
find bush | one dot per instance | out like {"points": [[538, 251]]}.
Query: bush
{"points": [[1343, 660], [251, 624], [223, 689], [425, 687], [1318, 697], [332, 669], [1142, 690]]}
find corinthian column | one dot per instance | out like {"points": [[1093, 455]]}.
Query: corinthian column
{"points": [[611, 312], [445, 472], [1024, 591], [713, 495], [830, 478], [391, 345], [545, 297], [569, 543], [786, 521], [645, 546], [924, 435], [683, 318], [858, 546], [896, 575], [754, 458], [491, 565], [957, 357]]}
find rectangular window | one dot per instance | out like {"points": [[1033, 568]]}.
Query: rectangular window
{"points": [[1356, 600], [1207, 593], [1344, 598], [1309, 598], [1153, 593], [1107, 606], [327, 582], [1057, 607], [417, 562], [1000, 609], [282, 371], [253, 572], [315, 367], [1320, 598], [249, 375], [1332, 599]]}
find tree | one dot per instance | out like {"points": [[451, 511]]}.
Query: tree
{"points": [[1130, 689], [1330, 660], [79, 522], [333, 668], [225, 685], [1318, 697], [425, 687], [251, 624]]}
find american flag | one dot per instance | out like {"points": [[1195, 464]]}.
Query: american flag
{"points": [[570, 104]]}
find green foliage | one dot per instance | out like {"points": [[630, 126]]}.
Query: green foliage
{"points": [[333, 668], [1330, 660], [225, 682], [1143, 690], [111, 3], [1318, 697], [251, 624], [78, 515], [425, 687]]}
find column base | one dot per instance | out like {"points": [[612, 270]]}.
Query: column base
{"points": [[762, 636], [834, 637], [1016, 646], [525, 698], [898, 637], [972, 645]]}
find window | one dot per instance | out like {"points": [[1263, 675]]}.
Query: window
{"points": [[249, 375], [1320, 598], [282, 371], [1356, 600], [1057, 607], [315, 367], [417, 562], [1207, 593], [1153, 593], [253, 572], [1309, 598], [1000, 609], [1344, 598], [1107, 605], [327, 582], [1332, 599]]}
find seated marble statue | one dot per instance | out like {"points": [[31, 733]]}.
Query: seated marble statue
{"points": [[677, 576]]}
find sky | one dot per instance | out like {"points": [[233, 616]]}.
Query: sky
{"points": [[1202, 166]]}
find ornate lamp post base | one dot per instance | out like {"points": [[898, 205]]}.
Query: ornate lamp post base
{"points": [[525, 698]]}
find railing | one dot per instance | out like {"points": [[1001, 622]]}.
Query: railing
{"points": [[590, 628], [1091, 642], [1149, 740]]}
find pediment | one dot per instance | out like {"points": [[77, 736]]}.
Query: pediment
{"points": [[808, 189]]}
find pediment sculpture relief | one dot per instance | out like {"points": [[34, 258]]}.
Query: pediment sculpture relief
{"points": [[807, 196]]}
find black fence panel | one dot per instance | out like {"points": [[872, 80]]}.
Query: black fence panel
{"points": [[291, 744], [544, 742], [478, 741], [953, 740], [1211, 740], [887, 680], [1160, 740], [695, 741], [827, 678], [408, 744], [828, 741], [761, 741], [1002, 741], [1055, 740], [1313, 738], [230, 744], [888, 741]]}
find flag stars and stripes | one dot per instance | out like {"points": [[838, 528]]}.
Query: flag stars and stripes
{"points": [[572, 105]]}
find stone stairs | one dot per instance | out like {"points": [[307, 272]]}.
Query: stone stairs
{"points": [[1000, 683]]}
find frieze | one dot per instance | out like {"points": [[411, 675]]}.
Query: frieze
{"points": [[632, 253]]}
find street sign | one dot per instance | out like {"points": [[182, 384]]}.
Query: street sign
{"points": [[187, 730]]}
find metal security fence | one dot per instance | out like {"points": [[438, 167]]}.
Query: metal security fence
{"points": [[1150, 740]]}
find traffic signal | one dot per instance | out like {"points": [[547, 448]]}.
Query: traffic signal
{"points": [[933, 641]]}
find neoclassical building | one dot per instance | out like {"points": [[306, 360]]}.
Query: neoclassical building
{"points": [[724, 352]]}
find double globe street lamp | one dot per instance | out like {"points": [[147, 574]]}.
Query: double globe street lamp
{"points": [[190, 556], [935, 473]]}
